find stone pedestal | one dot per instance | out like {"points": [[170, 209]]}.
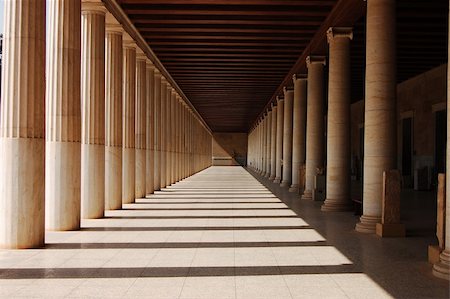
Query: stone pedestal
{"points": [[279, 153], [298, 129], [113, 95], [338, 132], [140, 123], [129, 121], [63, 117], [287, 138], [380, 127], [315, 122], [93, 110]]}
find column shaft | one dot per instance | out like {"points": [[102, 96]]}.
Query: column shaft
{"points": [[113, 95], [22, 125], [141, 123], [315, 122], [268, 143], [63, 117], [157, 124], [150, 122], [273, 143], [279, 155], [163, 106], [93, 110], [380, 138], [298, 129], [287, 138], [338, 132]]}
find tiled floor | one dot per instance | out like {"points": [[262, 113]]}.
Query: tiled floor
{"points": [[221, 234]]}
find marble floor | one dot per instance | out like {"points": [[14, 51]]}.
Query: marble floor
{"points": [[222, 233]]}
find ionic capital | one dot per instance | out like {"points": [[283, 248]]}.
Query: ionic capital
{"points": [[339, 32], [287, 90], [299, 77], [315, 60], [279, 99]]}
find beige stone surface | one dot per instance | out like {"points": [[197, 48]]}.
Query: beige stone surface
{"points": [[141, 123], [315, 122], [93, 110], [287, 137], [63, 116], [279, 149]]}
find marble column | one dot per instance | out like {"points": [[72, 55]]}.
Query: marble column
{"points": [[63, 117], [268, 142], [315, 122], [129, 122], [150, 132], [22, 126], [380, 128], [157, 131], [298, 129], [287, 138], [163, 126], [113, 102], [140, 123], [93, 109], [168, 135], [279, 153], [338, 132], [273, 143], [442, 268], [263, 144]]}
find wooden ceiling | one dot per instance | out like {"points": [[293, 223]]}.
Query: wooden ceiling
{"points": [[230, 57]]}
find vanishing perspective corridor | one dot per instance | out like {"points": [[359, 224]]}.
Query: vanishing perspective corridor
{"points": [[220, 233]]}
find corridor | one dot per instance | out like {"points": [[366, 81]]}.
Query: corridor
{"points": [[219, 234]]}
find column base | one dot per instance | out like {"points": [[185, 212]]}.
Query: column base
{"points": [[442, 268], [434, 251], [367, 224], [332, 205], [271, 177], [277, 180], [307, 194], [293, 189], [285, 184], [390, 230], [267, 175]]}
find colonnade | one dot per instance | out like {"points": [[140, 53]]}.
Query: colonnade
{"points": [[308, 147], [104, 128]]}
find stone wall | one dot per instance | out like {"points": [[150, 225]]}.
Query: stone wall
{"points": [[230, 148]]}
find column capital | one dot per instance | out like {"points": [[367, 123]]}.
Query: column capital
{"points": [[93, 6], [287, 90], [157, 73], [128, 41], [149, 64], [342, 32], [296, 77], [112, 25], [163, 79], [280, 99], [140, 55], [315, 60]]}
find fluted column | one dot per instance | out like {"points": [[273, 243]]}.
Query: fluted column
{"points": [[140, 123], [338, 132], [22, 125], [157, 137], [287, 138], [263, 144], [168, 135], [163, 106], [93, 109], [315, 122], [268, 143], [129, 122], [273, 143], [150, 132], [298, 129], [113, 102], [442, 268], [63, 117], [279, 153], [380, 138]]}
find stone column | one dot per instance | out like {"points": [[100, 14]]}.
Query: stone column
{"points": [[113, 102], [287, 138], [129, 125], [279, 154], [150, 132], [315, 122], [338, 132], [442, 268], [263, 144], [163, 126], [168, 135], [273, 143], [268, 143], [298, 129], [93, 109], [157, 137], [63, 117], [380, 128], [22, 125], [140, 123]]}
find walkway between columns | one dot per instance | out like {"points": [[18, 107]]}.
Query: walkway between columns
{"points": [[219, 234]]}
